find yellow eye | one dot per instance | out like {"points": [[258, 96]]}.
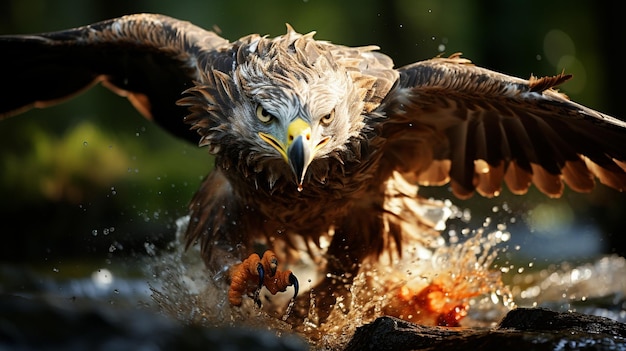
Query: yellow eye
{"points": [[263, 115], [328, 118]]}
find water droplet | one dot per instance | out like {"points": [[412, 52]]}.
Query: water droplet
{"points": [[494, 298], [102, 277], [150, 248], [288, 310]]}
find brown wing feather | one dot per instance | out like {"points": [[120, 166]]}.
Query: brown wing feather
{"points": [[362, 63], [493, 128], [150, 59], [212, 223]]}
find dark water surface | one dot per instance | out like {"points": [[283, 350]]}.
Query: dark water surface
{"points": [[111, 307]]}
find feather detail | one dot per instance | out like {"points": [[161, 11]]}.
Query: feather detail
{"points": [[501, 127]]}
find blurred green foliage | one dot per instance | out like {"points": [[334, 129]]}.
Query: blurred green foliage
{"points": [[90, 176]]}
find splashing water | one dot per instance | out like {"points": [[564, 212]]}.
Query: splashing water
{"points": [[439, 285], [456, 277], [184, 288], [437, 290]]}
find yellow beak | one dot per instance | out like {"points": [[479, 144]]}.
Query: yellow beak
{"points": [[300, 150]]}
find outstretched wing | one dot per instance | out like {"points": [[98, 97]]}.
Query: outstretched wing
{"points": [[150, 59], [450, 121]]}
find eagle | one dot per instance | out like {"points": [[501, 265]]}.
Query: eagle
{"points": [[313, 140]]}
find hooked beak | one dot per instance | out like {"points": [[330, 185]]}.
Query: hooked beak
{"points": [[300, 149]]}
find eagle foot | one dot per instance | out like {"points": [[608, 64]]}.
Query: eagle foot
{"points": [[256, 272]]}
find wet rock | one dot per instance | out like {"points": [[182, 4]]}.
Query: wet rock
{"points": [[33, 323], [37, 324], [539, 319], [521, 329]]}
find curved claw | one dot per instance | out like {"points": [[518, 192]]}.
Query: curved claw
{"points": [[296, 286], [261, 271]]}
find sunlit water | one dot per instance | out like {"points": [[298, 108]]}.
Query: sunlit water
{"points": [[460, 276], [460, 279]]}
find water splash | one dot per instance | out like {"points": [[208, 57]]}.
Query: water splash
{"points": [[184, 288], [288, 310], [441, 284], [441, 289]]}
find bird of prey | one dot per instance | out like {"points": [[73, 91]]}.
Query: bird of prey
{"points": [[311, 138]]}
